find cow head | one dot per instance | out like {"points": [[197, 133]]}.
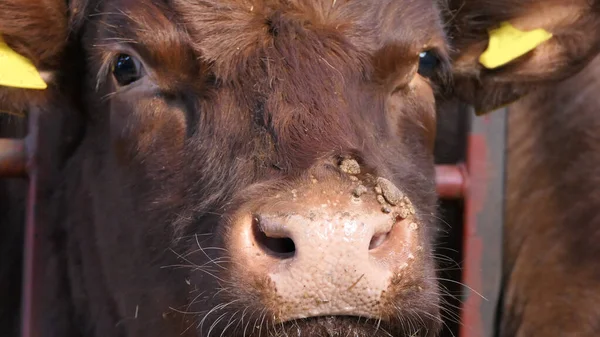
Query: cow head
{"points": [[263, 168]]}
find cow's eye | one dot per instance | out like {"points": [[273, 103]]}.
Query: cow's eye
{"points": [[126, 69], [428, 63]]}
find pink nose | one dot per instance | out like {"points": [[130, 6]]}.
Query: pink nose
{"points": [[278, 235], [326, 252]]}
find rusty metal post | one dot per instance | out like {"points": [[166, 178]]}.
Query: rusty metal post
{"points": [[13, 158], [451, 181], [483, 224], [32, 268]]}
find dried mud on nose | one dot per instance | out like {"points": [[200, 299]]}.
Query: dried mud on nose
{"points": [[350, 166], [359, 190], [388, 195], [390, 192]]}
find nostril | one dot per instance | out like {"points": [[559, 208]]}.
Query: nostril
{"points": [[377, 240], [280, 247], [383, 233]]}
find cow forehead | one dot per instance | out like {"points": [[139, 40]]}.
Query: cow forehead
{"points": [[375, 21], [297, 69], [223, 32]]}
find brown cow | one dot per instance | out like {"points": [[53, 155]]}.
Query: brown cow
{"points": [[254, 167], [553, 226]]}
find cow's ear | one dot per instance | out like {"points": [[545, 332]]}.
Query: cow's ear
{"points": [[502, 49], [33, 37]]}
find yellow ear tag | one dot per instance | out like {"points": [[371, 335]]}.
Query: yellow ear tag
{"points": [[508, 43], [17, 71]]}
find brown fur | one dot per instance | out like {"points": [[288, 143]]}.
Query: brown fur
{"points": [[576, 41], [241, 98], [552, 275]]}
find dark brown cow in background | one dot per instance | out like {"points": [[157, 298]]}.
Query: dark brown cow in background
{"points": [[553, 222], [257, 168]]}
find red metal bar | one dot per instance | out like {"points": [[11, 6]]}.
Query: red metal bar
{"points": [[473, 246], [451, 181], [483, 225], [33, 270], [13, 158]]}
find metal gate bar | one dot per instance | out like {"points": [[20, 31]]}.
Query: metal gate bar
{"points": [[483, 224], [451, 181], [33, 269], [480, 182], [13, 158]]}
